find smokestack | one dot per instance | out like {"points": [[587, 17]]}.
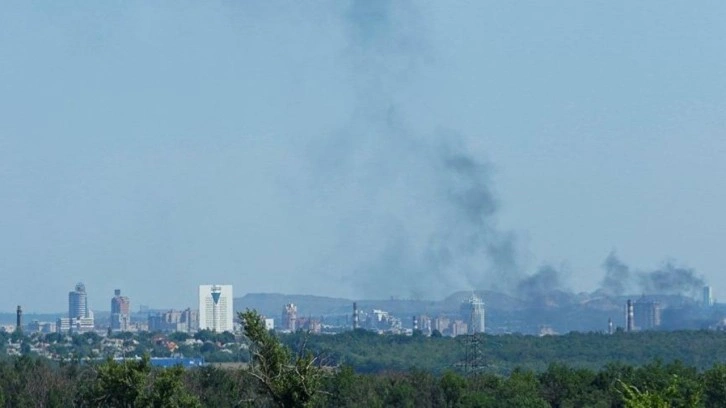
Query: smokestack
{"points": [[610, 326], [415, 323], [19, 319], [707, 296], [629, 317], [355, 316]]}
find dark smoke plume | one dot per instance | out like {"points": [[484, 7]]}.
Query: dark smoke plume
{"points": [[672, 279], [669, 279], [429, 198], [535, 289], [617, 275]]}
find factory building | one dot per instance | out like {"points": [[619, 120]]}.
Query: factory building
{"points": [[642, 314], [647, 314]]}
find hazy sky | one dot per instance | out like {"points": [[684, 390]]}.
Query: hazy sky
{"points": [[357, 149]]}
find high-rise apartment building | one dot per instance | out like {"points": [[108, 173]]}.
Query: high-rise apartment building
{"points": [[215, 308], [473, 314], [289, 317], [120, 312], [458, 328], [424, 325], [80, 318], [441, 324], [173, 321], [78, 302]]}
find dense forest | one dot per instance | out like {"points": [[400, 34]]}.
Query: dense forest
{"points": [[368, 352], [32, 382]]}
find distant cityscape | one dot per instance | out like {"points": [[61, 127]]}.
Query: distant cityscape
{"points": [[215, 313], [465, 314]]}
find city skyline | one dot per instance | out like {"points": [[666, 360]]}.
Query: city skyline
{"points": [[706, 296]]}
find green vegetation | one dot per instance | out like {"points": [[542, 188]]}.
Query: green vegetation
{"points": [[289, 380], [367, 352], [362, 369], [31, 382]]}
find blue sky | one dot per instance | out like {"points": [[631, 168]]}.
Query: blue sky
{"points": [[308, 148]]}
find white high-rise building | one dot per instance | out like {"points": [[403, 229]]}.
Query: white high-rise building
{"points": [[215, 308], [473, 314]]}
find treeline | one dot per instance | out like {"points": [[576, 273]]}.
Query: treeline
{"points": [[38, 382], [282, 376], [35, 382], [368, 352]]}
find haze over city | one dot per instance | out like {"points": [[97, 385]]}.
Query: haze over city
{"points": [[360, 149]]}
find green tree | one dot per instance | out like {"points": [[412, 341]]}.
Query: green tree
{"points": [[714, 381], [290, 380], [670, 396], [635, 398], [168, 391], [116, 384], [179, 337], [521, 389], [205, 335], [453, 387]]}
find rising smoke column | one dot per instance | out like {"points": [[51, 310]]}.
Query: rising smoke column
{"points": [[428, 204], [669, 279], [535, 289], [617, 275], [672, 280]]}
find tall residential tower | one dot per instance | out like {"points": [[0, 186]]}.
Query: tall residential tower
{"points": [[78, 302], [80, 318], [120, 312], [473, 314], [289, 317], [215, 308]]}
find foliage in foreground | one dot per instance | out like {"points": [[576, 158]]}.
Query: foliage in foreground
{"points": [[289, 380], [280, 377], [26, 382]]}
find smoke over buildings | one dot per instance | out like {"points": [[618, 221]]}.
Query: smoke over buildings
{"points": [[617, 275], [338, 148], [672, 279], [431, 209], [668, 279], [539, 288], [429, 206]]}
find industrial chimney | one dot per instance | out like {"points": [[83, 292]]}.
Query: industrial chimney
{"points": [[19, 319], [355, 316], [610, 326], [629, 317], [415, 323]]}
